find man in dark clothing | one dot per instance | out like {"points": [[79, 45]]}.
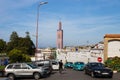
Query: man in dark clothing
{"points": [[60, 66]]}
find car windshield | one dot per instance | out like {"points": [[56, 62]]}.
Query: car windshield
{"points": [[69, 63], [97, 65], [80, 63], [32, 65]]}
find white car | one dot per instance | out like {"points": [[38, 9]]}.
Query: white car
{"points": [[55, 65], [24, 70]]}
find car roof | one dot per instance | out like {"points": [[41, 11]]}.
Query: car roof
{"points": [[95, 62], [16, 63]]}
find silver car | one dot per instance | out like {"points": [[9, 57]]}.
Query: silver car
{"points": [[15, 70]]}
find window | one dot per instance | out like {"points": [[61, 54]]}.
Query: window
{"points": [[24, 66], [18, 66], [10, 66]]}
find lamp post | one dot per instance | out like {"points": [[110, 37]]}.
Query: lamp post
{"points": [[41, 3]]}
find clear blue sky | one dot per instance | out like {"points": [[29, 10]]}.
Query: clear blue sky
{"points": [[82, 20]]}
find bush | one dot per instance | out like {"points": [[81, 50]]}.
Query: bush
{"points": [[2, 67], [113, 63]]}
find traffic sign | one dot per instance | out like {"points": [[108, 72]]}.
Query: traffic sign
{"points": [[99, 59]]}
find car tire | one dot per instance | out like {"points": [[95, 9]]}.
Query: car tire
{"points": [[36, 76], [92, 74], [110, 76], [11, 77]]}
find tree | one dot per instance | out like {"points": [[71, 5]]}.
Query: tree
{"points": [[2, 45], [30, 44], [27, 35], [25, 44], [14, 36], [13, 41], [17, 56]]}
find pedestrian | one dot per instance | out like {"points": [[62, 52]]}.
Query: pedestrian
{"points": [[60, 66]]}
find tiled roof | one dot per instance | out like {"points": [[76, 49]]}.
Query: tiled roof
{"points": [[112, 36]]}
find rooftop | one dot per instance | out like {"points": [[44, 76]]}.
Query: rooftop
{"points": [[112, 36]]}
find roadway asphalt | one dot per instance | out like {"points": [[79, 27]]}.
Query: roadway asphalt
{"points": [[70, 74]]}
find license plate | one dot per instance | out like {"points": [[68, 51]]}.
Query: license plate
{"points": [[104, 73]]}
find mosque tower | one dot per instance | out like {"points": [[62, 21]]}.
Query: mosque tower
{"points": [[60, 37]]}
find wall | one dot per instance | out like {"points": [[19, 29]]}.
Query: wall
{"points": [[84, 56]]}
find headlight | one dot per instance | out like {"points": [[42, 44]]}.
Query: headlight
{"points": [[97, 71]]}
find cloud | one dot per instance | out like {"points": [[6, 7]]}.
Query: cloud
{"points": [[78, 25]]}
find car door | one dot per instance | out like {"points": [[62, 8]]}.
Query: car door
{"points": [[26, 70], [88, 68], [17, 69]]}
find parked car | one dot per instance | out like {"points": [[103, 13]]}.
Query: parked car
{"points": [[47, 64], [96, 69], [14, 70], [78, 66], [68, 65], [55, 64]]}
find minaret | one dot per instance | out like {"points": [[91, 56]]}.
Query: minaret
{"points": [[60, 37]]}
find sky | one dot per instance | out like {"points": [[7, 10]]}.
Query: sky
{"points": [[83, 21]]}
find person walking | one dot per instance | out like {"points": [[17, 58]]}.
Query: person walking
{"points": [[60, 66]]}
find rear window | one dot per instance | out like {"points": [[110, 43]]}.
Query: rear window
{"points": [[54, 63], [43, 63]]}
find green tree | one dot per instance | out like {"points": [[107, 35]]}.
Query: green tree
{"points": [[30, 44], [14, 36], [27, 35], [13, 41], [25, 44], [2, 46], [17, 56]]}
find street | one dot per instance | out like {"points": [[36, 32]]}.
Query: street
{"points": [[70, 74]]}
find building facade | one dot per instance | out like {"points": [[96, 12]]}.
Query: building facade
{"points": [[70, 54], [60, 37], [111, 45]]}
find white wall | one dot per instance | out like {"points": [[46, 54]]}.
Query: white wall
{"points": [[114, 48], [84, 56]]}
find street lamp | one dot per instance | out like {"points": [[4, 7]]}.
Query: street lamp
{"points": [[41, 3]]}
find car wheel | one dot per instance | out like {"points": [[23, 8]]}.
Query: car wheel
{"points": [[36, 76], [92, 74], [11, 77], [110, 76]]}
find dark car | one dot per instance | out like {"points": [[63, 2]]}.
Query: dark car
{"points": [[96, 69], [68, 65], [46, 64]]}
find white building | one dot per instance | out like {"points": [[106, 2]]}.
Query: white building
{"points": [[88, 55], [112, 45], [43, 54]]}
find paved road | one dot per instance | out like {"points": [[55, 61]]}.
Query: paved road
{"points": [[73, 75], [77, 75]]}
